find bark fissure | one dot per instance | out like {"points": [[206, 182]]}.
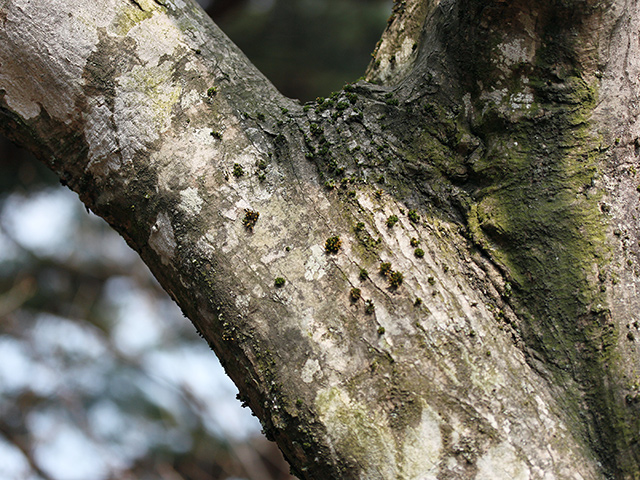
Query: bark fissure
{"points": [[137, 4]]}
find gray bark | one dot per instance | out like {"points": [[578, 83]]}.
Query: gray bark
{"points": [[502, 135]]}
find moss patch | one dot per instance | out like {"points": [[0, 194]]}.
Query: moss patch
{"points": [[539, 216], [536, 212]]}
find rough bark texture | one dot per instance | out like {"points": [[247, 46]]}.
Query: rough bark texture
{"points": [[458, 239]]}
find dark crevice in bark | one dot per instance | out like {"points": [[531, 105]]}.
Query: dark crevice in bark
{"points": [[137, 4]]}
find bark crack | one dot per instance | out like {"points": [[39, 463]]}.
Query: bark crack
{"points": [[141, 4], [135, 2]]}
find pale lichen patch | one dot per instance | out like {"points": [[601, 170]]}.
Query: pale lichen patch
{"points": [[516, 51], [406, 50], [316, 264], [162, 239], [243, 204], [257, 291], [311, 367], [521, 100], [185, 157], [190, 201], [357, 432], [157, 37], [494, 96], [272, 256], [190, 99], [502, 463], [230, 213], [390, 322], [143, 105], [20, 104], [422, 447], [366, 202], [176, 4], [230, 240], [513, 105], [545, 416], [242, 302]]}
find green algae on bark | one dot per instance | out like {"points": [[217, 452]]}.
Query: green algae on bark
{"points": [[536, 213]]}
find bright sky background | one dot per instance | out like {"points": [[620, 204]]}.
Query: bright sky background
{"points": [[62, 357]]}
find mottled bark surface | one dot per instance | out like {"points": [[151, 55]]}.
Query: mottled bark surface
{"points": [[432, 275]]}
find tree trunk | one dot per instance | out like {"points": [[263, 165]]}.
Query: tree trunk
{"points": [[429, 274]]}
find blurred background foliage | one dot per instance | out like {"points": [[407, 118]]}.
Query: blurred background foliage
{"points": [[101, 377]]}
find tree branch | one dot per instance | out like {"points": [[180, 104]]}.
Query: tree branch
{"points": [[289, 235]]}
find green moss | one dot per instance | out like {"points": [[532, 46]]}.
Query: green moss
{"points": [[390, 100], [250, 219], [238, 170], [418, 252], [536, 212], [392, 220], [261, 164], [315, 129], [128, 18], [395, 279], [333, 244], [385, 268], [279, 282], [355, 294], [540, 218], [363, 275], [369, 307]]}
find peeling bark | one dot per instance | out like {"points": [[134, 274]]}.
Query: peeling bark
{"points": [[433, 276]]}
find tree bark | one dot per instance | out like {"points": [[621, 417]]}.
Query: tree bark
{"points": [[429, 274]]}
